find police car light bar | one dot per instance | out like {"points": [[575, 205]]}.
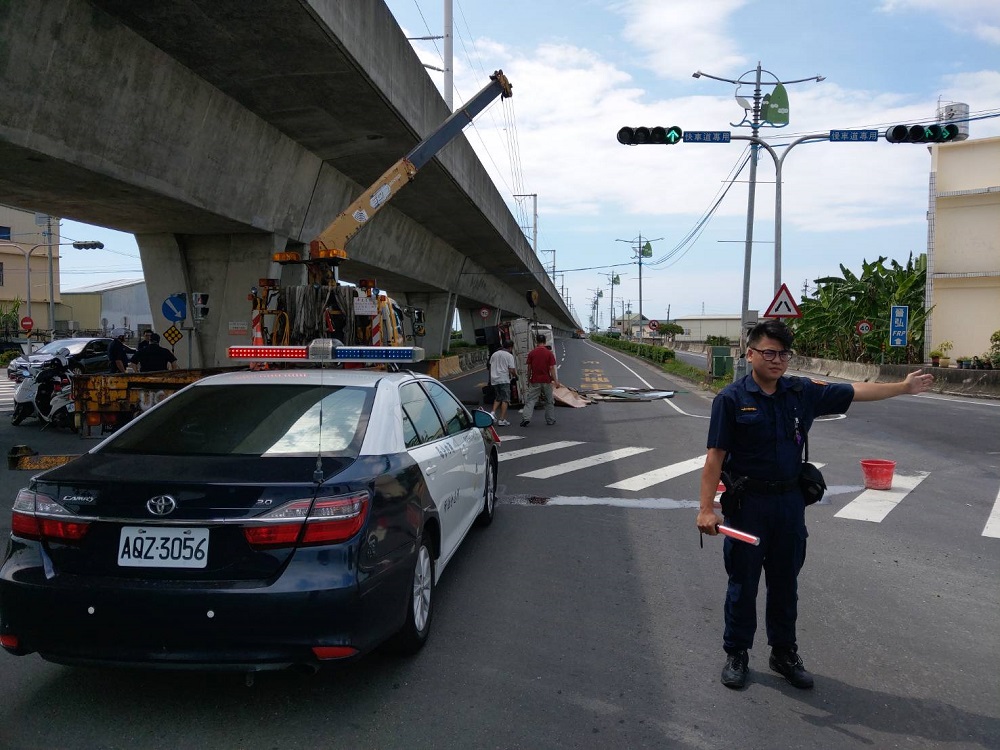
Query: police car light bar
{"points": [[323, 350]]}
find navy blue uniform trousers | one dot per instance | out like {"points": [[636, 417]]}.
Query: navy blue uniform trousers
{"points": [[779, 521]]}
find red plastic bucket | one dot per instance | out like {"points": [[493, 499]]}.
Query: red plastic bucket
{"points": [[877, 473]]}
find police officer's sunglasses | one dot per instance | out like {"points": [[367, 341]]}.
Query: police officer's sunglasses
{"points": [[769, 354]]}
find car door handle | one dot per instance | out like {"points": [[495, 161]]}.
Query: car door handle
{"points": [[430, 469]]}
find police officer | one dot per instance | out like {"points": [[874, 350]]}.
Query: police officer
{"points": [[154, 357], [119, 352], [758, 426]]}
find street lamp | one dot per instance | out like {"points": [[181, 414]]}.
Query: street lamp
{"points": [[755, 124], [88, 245]]}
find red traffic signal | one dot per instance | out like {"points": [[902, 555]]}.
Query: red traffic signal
{"points": [[922, 133], [656, 135]]}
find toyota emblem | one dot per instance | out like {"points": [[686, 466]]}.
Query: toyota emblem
{"points": [[161, 505]]}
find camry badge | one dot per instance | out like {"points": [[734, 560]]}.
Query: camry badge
{"points": [[161, 505]]}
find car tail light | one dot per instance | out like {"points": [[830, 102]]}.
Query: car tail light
{"points": [[40, 517], [12, 641], [327, 520], [334, 652]]}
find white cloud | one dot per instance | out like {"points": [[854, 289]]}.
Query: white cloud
{"points": [[682, 36], [979, 18]]}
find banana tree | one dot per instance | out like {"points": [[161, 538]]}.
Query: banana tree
{"points": [[830, 317]]}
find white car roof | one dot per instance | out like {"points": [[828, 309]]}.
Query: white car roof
{"points": [[307, 376]]}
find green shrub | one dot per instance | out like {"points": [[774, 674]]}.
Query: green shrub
{"points": [[7, 356]]}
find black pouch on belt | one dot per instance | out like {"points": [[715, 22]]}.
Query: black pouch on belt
{"points": [[730, 500], [811, 481]]}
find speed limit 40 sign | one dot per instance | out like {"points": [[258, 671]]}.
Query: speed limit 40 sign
{"points": [[863, 327]]}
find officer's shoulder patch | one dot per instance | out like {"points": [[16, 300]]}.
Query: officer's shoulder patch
{"points": [[819, 382]]}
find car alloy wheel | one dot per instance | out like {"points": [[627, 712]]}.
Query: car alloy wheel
{"points": [[419, 606], [489, 495], [422, 584]]}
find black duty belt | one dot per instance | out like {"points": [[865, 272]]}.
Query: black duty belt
{"points": [[769, 487]]}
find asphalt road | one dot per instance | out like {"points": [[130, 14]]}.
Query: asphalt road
{"points": [[587, 616]]}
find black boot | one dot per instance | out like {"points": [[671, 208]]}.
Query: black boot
{"points": [[788, 664], [734, 674]]}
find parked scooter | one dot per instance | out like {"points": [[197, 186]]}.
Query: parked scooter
{"points": [[46, 393]]}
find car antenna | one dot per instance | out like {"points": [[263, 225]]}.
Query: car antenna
{"points": [[318, 471]]}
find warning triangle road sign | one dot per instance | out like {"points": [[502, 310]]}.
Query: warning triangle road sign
{"points": [[783, 306]]}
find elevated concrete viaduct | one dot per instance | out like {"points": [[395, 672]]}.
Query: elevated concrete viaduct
{"points": [[222, 131]]}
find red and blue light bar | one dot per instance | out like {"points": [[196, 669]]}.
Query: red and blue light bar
{"points": [[323, 350]]}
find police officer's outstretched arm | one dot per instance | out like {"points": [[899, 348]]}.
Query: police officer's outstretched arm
{"points": [[916, 382], [708, 519]]}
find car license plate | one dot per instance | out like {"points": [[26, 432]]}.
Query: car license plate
{"points": [[162, 547]]}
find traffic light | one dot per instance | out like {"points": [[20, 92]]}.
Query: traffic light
{"points": [[199, 306], [921, 133], [657, 135]]}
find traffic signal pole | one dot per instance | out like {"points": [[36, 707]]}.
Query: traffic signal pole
{"points": [[755, 142]]}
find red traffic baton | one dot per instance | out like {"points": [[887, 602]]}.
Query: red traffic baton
{"points": [[740, 536]]}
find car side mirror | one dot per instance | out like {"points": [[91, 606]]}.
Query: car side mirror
{"points": [[482, 419]]}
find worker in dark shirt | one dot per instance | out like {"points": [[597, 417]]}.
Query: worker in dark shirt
{"points": [[154, 357], [119, 351]]}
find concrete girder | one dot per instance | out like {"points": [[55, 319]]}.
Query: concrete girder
{"points": [[174, 129]]}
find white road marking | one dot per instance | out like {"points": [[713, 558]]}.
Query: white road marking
{"points": [[648, 385], [874, 505], [993, 522], [664, 473], [657, 503], [583, 463], [507, 456], [642, 481]]}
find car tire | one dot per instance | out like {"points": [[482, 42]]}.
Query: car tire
{"points": [[486, 515], [21, 413], [419, 605]]}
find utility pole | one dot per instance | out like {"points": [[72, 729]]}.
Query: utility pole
{"points": [[613, 279], [534, 234], [449, 55], [755, 124], [642, 251]]}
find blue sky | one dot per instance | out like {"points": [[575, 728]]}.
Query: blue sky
{"points": [[581, 70]]}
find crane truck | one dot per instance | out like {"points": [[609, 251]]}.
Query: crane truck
{"points": [[323, 308], [358, 314]]}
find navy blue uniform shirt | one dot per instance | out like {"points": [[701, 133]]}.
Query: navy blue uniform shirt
{"points": [[763, 434]]}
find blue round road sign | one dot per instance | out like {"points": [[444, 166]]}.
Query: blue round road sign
{"points": [[175, 308]]}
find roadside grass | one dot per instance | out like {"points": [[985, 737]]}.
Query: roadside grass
{"points": [[696, 376]]}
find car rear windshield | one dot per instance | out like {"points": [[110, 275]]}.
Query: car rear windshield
{"points": [[252, 420]]}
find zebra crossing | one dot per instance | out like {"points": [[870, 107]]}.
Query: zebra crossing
{"points": [[869, 505], [7, 388]]}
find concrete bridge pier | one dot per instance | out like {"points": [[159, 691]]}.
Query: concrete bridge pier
{"points": [[439, 311], [470, 320], [223, 266]]}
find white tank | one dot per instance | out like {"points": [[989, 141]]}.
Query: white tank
{"points": [[957, 113]]}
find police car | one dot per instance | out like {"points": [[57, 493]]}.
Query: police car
{"points": [[253, 520]]}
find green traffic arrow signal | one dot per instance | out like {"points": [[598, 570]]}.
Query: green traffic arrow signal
{"points": [[657, 135]]}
